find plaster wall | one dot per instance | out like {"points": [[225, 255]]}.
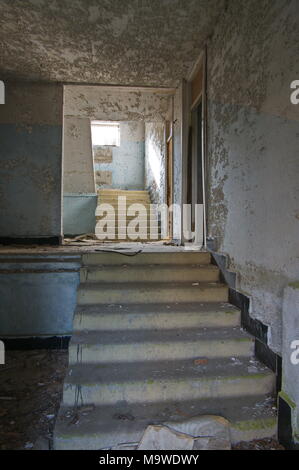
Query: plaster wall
{"points": [[127, 161], [38, 294], [177, 159], [253, 139], [290, 354], [78, 176], [31, 160]]}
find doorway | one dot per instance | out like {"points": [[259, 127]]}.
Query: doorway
{"points": [[195, 130]]}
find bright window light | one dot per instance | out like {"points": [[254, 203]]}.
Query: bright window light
{"points": [[105, 133]]}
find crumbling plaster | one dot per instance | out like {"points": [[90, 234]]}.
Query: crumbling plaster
{"points": [[78, 175], [30, 160], [253, 141], [132, 42], [116, 104]]}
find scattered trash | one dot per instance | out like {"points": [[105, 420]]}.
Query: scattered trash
{"points": [[200, 362], [125, 417], [163, 438], [197, 433], [28, 411], [28, 445]]}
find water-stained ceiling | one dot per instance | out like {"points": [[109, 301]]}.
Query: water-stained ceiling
{"points": [[128, 42]]}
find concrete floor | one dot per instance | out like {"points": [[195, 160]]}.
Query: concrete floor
{"points": [[90, 246]]}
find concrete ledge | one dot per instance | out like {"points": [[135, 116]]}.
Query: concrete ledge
{"points": [[35, 342], [54, 241]]}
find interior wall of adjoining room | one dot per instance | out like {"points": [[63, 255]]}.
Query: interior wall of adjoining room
{"points": [[122, 167], [253, 151], [85, 168]]}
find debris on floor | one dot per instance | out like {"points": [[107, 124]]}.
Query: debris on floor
{"points": [[31, 385], [30, 393], [259, 444], [197, 433]]}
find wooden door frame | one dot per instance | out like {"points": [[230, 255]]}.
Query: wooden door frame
{"points": [[187, 107]]}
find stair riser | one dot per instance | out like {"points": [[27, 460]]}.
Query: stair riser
{"points": [[127, 201], [123, 274], [149, 295], [146, 258], [159, 351], [151, 391], [242, 431], [125, 239], [119, 322], [144, 221]]}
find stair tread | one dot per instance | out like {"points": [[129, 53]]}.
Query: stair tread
{"points": [[150, 285], [133, 309], [165, 371], [122, 337], [131, 420], [140, 267]]}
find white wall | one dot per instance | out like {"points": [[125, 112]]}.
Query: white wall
{"points": [[253, 204], [78, 175]]}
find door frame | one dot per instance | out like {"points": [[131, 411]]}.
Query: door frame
{"points": [[187, 106]]}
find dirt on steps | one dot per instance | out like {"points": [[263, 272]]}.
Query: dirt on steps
{"points": [[30, 393]]}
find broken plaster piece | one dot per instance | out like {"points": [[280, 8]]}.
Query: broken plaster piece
{"points": [[163, 438]]}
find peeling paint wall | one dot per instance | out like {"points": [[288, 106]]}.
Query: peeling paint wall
{"points": [[253, 140], [31, 160], [127, 161], [177, 159], [78, 175], [38, 294], [155, 161], [106, 103]]}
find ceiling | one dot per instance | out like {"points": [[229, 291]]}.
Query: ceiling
{"points": [[123, 42]]}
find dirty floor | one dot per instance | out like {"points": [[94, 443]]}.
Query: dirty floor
{"points": [[30, 393]]}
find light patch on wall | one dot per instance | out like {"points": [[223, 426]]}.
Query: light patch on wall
{"points": [[154, 162], [105, 133]]}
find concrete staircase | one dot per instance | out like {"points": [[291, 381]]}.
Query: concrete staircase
{"points": [[121, 201], [155, 340]]}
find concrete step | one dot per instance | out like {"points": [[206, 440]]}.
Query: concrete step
{"points": [[127, 240], [122, 191], [150, 258], [154, 345], [151, 292], [159, 316], [163, 381], [127, 195], [126, 207], [143, 232], [104, 427], [124, 214], [127, 218], [145, 273]]}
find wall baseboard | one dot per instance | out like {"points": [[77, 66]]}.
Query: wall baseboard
{"points": [[253, 326], [36, 342], [31, 241]]}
